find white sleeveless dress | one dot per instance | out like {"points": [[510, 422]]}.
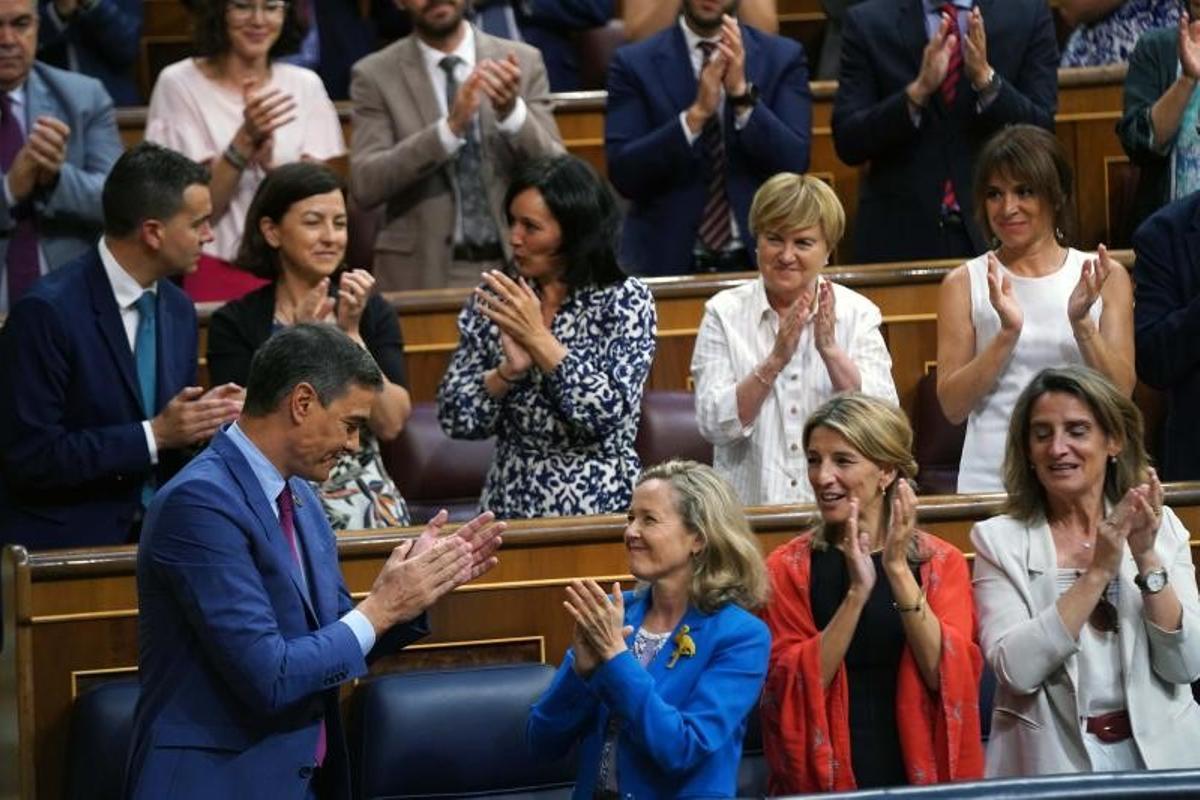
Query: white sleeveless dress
{"points": [[1046, 341]]}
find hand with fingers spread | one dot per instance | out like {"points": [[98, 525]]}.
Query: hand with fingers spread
{"points": [[856, 547], [599, 617], [1112, 534], [935, 63], [513, 306], [902, 526], [190, 418], [1092, 275], [791, 325], [411, 581], [731, 47], [501, 82], [466, 103], [824, 327], [315, 306], [1146, 517], [230, 392], [354, 289], [1189, 47], [975, 60], [483, 538], [264, 112], [1002, 298]]}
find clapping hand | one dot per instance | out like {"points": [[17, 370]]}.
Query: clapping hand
{"points": [[975, 60], [354, 289], [1189, 47], [1092, 275], [481, 536], [824, 327], [265, 112], [1147, 516], [513, 306], [1000, 294], [791, 325], [902, 525], [856, 547], [734, 52], [501, 82], [935, 63], [599, 618]]}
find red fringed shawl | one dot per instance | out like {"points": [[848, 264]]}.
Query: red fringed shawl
{"points": [[806, 728]]}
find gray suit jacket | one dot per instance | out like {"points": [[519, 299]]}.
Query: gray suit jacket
{"points": [[68, 213], [397, 159], [1036, 728]]}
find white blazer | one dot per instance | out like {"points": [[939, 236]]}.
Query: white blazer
{"points": [[1036, 726]]}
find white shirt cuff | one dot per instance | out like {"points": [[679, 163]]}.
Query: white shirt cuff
{"points": [[362, 629], [8, 195], [742, 116], [687, 132], [151, 445], [450, 143], [511, 125]]}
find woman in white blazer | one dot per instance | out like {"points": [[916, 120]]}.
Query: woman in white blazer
{"points": [[1086, 593]]}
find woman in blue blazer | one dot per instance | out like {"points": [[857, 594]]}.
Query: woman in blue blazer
{"points": [[658, 682]]}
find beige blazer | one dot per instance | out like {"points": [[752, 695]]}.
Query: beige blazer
{"points": [[397, 160], [1036, 728]]}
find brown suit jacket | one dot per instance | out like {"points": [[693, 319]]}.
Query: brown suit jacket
{"points": [[397, 160]]}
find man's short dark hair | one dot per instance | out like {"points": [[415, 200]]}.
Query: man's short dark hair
{"points": [[313, 353], [147, 182]]}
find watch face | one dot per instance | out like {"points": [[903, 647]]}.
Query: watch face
{"points": [[1156, 581]]}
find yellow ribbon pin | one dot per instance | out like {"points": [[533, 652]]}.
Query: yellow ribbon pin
{"points": [[684, 646]]}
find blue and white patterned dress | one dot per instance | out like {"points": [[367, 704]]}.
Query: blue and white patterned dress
{"points": [[564, 439], [1111, 40]]}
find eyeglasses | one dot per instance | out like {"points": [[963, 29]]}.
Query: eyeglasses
{"points": [[242, 11], [1104, 616]]}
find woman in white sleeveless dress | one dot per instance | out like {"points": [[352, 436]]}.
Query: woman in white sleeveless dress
{"points": [[1030, 303]]}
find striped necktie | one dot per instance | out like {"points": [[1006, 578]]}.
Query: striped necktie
{"points": [[716, 230]]}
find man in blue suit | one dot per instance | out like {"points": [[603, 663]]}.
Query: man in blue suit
{"points": [[98, 362], [919, 93], [100, 38], [1166, 316], [698, 116], [58, 140], [246, 628]]}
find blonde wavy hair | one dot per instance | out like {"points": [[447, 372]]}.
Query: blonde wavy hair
{"points": [[729, 569], [881, 433]]}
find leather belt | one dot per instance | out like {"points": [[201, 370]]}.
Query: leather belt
{"points": [[1111, 727]]}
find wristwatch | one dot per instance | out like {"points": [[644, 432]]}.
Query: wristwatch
{"points": [[746, 98], [1152, 582]]}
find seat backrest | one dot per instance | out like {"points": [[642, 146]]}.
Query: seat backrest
{"points": [[101, 726], [595, 48], [668, 429], [433, 471], [454, 733], [753, 770], [937, 442]]}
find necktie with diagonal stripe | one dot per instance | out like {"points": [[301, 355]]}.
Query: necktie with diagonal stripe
{"points": [[716, 229]]}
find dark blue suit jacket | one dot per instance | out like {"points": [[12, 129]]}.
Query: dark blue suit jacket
{"points": [[238, 662], [107, 39], [899, 206], [651, 163], [345, 38], [548, 25], [73, 454], [1166, 315], [682, 723]]}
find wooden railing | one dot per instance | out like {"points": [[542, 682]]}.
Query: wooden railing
{"points": [[70, 617]]}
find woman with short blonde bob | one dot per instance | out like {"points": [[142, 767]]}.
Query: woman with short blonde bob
{"points": [[1088, 610], [658, 681], [873, 682], [1030, 303], [773, 349]]}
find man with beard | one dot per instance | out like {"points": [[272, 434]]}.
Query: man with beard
{"points": [[699, 115], [245, 628], [441, 119]]}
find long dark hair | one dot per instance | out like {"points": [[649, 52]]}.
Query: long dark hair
{"points": [[210, 33], [585, 211]]}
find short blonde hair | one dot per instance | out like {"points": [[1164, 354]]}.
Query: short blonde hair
{"points": [[881, 433], [730, 568], [788, 201], [1116, 415]]}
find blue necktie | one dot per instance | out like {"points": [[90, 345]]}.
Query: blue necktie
{"points": [[145, 354]]}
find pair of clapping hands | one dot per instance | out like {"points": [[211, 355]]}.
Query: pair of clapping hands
{"points": [[935, 60], [420, 571], [265, 111], [1133, 521], [902, 527], [823, 315], [344, 307], [39, 161], [194, 415], [1092, 275], [499, 80]]}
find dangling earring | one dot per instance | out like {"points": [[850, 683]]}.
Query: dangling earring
{"points": [[1058, 234]]}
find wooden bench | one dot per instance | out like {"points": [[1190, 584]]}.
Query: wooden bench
{"points": [[70, 617]]}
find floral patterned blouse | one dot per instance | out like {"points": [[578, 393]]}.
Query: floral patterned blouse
{"points": [[564, 439], [1111, 40]]}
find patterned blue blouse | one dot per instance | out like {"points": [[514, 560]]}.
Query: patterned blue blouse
{"points": [[1111, 40], [564, 439]]}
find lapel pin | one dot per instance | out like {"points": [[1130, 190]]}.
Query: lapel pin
{"points": [[684, 646]]}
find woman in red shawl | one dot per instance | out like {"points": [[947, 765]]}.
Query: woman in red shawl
{"points": [[873, 679]]}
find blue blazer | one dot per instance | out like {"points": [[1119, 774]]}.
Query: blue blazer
{"points": [[900, 196], [106, 39], [68, 214], [651, 163], [549, 25], [73, 453], [681, 727], [1166, 316], [238, 663]]}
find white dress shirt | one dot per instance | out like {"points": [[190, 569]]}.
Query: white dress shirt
{"points": [[765, 460], [126, 290]]}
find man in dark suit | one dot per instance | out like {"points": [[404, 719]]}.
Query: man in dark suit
{"points": [[98, 362], [100, 38], [923, 84], [698, 116], [245, 626], [1166, 316], [58, 139]]}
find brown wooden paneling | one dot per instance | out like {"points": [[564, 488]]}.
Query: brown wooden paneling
{"points": [[70, 616]]}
